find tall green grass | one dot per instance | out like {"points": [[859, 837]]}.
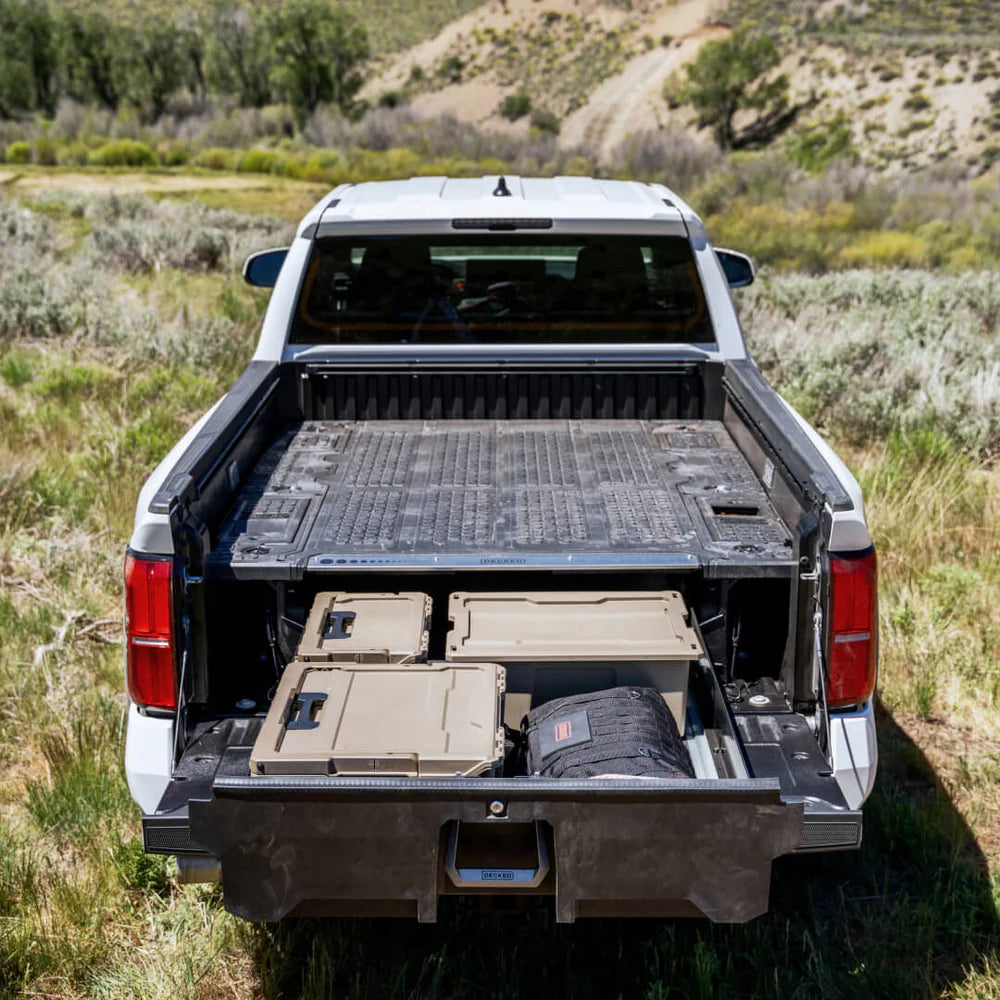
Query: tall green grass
{"points": [[100, 372]]}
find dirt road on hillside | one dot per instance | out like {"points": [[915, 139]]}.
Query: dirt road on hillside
{"points": [[632, 101]]}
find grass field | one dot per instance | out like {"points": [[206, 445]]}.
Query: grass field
{"points": [[122, 318]]}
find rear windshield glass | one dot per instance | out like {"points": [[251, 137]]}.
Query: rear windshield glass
{"points": [[530, 289]]}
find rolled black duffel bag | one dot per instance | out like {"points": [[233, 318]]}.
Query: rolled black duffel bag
{"points": [[626, 731]]}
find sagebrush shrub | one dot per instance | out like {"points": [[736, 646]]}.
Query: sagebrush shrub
{"points": [[216, 158], [123, 153], [44, 297], [863, 352], [18, 151]]}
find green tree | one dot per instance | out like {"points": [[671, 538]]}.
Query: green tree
{"points": [[238, 53], [29, 58], [191, 45], [91, 50], [317, 55], [732, 75], [156, 68], [16, 82]]}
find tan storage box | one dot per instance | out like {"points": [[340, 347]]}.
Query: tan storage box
{"points": [[568, 642], [366, 628], [428, 719], [571, 625]]}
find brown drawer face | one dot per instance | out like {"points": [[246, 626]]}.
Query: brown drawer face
{"points": [[412, 720]]}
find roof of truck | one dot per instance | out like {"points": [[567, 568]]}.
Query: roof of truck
{"points": [[435, 198]]}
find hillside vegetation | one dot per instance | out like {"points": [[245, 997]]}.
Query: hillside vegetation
{"points": [[391, 24], [891, 84], [898, 84], [965, 23]]}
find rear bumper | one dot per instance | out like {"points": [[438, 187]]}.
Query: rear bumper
{"points": [[379, 846]]}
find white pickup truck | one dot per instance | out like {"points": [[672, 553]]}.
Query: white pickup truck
{"points": [[500, 455]]}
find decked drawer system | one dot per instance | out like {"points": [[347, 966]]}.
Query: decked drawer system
{"points": [[510, 517], [376, 782], [331, 497]]}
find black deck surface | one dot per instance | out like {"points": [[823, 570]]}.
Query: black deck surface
{"points": [[562, 494]]}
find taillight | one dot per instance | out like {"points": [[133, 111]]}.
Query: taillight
{"points": [[852, 637], [149, 631]]}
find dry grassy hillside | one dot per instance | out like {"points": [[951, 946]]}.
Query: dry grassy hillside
{"points": [[557, 52], [899, 84], [911, 83]]}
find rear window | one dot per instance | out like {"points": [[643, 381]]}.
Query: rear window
{"points": [[517, 289]]}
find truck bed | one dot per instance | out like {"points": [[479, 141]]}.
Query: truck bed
{"points": [[337, 496]]}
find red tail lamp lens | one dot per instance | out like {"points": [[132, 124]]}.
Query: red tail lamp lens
{"points": [[149, 631], [852, 650]]}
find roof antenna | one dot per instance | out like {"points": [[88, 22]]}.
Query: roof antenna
{"points": [[501, 190]]}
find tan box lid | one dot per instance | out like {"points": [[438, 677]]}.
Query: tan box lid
{"points": [[570, 625], [429, 719], [366, 628]]}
